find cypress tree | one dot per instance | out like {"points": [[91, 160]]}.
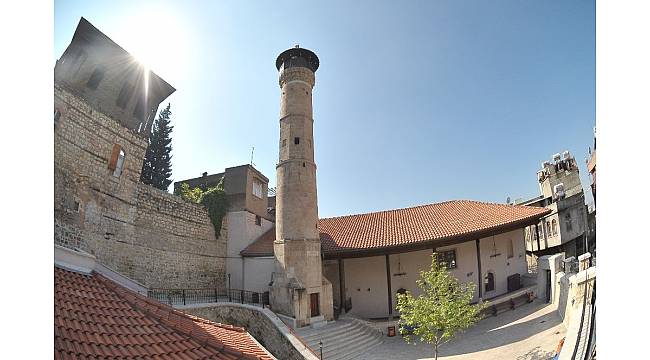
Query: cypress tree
{"points": [[157, 166]]}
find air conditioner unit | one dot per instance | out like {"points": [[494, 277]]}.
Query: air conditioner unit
{"points": [[557, 157]]}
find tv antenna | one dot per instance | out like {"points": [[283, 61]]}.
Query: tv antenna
{"points": [[252, 153]]}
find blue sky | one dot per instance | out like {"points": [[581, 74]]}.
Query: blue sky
{"points": [[415, 102]]}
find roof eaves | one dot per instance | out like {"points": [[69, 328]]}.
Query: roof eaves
{"points": [[438, 242]]}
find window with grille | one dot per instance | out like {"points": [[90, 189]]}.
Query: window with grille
{"points": [[447, 259], [489, 281]]}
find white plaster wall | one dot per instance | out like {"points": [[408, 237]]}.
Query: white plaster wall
{"points": [[242, 231], [501, 265], [466, 265], [362, 274], [257, 273], [365, 283]]}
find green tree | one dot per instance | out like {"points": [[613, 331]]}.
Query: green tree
{"points": [[192, 195], [441, 311], [213, 198], [157, 166]]}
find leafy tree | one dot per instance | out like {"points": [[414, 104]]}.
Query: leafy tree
{"points": [[192, 195], [157, 166], [441, 311], [214, 199]]}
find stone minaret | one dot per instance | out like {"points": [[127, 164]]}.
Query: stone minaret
{"points": [[299, 289]]}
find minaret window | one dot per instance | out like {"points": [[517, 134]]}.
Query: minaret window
{"points": [[296, 140]]}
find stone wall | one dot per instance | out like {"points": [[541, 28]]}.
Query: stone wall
{"points": [[261, 323], [141, 232]]}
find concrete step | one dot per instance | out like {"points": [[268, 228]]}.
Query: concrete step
{"points": [[310, 333], [337, 337], [353, 347], [355, 354], [344, 339]]}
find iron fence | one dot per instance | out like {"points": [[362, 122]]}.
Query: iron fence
{"points": [[199, 296]]}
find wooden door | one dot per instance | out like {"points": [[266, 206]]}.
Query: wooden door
{"points": [[314, 305]]}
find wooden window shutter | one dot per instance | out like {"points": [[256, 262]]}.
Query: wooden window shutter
{"points": [[112, 163]]}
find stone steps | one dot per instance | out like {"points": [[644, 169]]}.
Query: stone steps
{"points": [[344, 339]]}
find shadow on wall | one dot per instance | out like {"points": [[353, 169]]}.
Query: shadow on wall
{"points": [[500, 334]]}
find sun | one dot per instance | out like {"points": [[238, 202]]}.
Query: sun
{"points": [[157, 38]]}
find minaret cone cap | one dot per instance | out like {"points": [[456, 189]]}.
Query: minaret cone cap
{"points": [[297, 57]]}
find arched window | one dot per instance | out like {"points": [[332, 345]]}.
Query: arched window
{"points": [[548, 228], [120, 164], [554, 227], [488, 281], [116, 162]]}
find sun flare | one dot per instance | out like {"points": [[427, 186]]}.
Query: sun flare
{"points": [[157, 39]]}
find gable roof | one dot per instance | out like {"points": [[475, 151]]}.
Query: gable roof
{"points": [[96, 318], [418, 227]]}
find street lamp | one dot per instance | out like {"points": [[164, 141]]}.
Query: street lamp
{"points": [[320, 347]]}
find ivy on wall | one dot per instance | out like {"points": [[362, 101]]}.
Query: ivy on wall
{"points": [[214, 199]]}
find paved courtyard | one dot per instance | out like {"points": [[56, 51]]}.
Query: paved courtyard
{"points": [[530, 332]]}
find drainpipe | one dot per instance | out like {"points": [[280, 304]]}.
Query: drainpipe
{"points": [[480, 276], [390, 292]]}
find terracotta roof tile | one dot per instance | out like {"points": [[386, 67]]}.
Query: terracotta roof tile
{"points": [[96, 318], [403, 227]]}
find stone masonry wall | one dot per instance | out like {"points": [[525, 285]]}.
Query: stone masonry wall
{"points": [[262, 324], [141, 232]]}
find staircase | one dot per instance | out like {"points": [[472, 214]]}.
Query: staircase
{"points": [[343, 339]]}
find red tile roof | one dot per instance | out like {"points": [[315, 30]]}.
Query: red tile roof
{"points": [[421, 225], [95, 318]]}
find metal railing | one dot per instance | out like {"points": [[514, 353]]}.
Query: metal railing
{"points": [[199, 296]]}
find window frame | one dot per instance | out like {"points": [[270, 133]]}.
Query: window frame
{"points": [[511, 249], [486, 281], [96, 78], [443, 259], [119, 166], [261, 189]]}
